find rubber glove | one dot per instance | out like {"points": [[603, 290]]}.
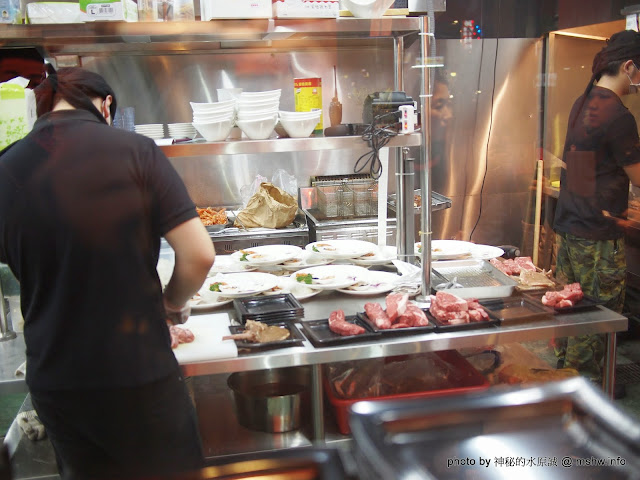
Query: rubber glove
{"points": [[176, 315], [31, 425]]}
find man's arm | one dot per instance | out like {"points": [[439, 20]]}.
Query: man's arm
{"points": [[633, 172], [194, 256]]}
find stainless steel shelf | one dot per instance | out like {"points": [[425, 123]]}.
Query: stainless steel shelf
{"points": [[52, 35], [280, 145], [599, 320]]}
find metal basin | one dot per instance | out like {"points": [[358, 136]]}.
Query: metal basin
{"points": [[271, 400]]}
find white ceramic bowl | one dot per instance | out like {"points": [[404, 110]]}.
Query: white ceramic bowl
{"points": [[257, 96], [258, 129], [250, 115], [299, 115], [299, 128], [215, 131], [208, 118], [367, 8], [253, 104], [215, 111], [212, 106]]}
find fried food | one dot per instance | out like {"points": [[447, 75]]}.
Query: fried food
{"points": [[212, 216]]}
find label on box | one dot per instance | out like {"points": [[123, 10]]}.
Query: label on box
{"points": [[210, 9], [306, 8], [17, 112], [110, 10], [307, 93]]}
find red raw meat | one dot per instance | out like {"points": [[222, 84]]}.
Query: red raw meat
{"points": [[451, 303], [338, 324], [396, 305], [567, 297], [377, 315], [415, 316], [442, 305], [180, 335], [525, 263]]}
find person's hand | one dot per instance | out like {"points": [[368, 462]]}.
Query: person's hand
{"points": [[175, 314]]}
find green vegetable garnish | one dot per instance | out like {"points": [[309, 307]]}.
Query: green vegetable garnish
{"points": [[215, 287], [314, 249], [243, 258], [308, 279]]}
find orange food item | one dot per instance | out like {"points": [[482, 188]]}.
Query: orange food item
{"points": [[212, 216]]}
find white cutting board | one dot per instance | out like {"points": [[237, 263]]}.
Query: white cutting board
{"points": [[208, 344]]}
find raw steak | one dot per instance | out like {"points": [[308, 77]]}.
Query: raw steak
{"points": [[377, 315], [338, 324], [567, 297], [396, 305]]}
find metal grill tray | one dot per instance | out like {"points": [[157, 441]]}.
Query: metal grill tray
{"points": [[438, 201], [268, 308], [444, 327], [586, 303], [551, 427], [515, 310], [295, 339], [479, 279], [395, 332], [318, 333]]}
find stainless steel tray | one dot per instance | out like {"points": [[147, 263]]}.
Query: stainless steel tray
{"points": [[479, 279], [558, 430]]}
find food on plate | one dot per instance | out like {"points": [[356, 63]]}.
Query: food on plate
{"points": [[258, 332], [212, 216], [417, 201], [400, 313], [453, 310], [513, 266], [215, 286], [309, 279], [324, 246], [567, 297], [293, 261], [304, 278], [518, 374], [338, 324], [180, 334], [245, 253]]}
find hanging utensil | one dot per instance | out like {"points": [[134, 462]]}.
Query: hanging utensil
{"points": [[335, 107]]}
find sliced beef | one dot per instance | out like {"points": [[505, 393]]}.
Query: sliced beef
{"points": [[396, 305], [377, 315], [338, 324]]}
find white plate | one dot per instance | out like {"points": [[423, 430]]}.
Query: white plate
{"points": [[236, 285], [288, 285], [303, 260], [382, 256], [199, 303], [340, 249], [331, 277], [226, 264], [266, 254], [447, 249], [372, 284], [486, 252]]}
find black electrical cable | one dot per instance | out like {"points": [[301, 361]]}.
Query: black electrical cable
{"points": [[377, 138], [486, 154]]}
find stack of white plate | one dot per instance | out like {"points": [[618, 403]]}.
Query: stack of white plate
{"points": [[258, 113], [151, 130], [181, 130], [214, 120]]}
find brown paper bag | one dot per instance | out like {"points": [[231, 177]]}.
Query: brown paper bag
{"points": [[269, 207]]}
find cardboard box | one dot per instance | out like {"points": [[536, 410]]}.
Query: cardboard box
{"points": [[109, 10], [210, 9], [10, 11], [306, 8], [17, 110]]}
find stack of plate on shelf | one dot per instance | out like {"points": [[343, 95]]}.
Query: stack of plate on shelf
{"points": [[151, 130], [274, 308], [258, 113], [214, 120], [182, 130]]}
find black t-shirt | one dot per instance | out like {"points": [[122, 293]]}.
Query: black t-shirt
{"points": [[602, 140], [82, 209]]}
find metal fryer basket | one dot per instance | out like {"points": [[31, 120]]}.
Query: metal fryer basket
{"points": [[346, 195], [479, 279]]}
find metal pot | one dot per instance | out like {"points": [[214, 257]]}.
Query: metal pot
{"points": [[271, 400]]}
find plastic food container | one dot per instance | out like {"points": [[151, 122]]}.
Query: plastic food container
{"points": [[472, 381], [271, 400]]}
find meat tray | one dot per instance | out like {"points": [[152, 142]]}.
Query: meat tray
{"points": [[586, 303], [295, 338], [443, 327], [393, 332], [268, 309], [516, 310], [553, 431], [318, 333]]}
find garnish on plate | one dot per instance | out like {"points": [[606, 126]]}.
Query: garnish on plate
{"points": [[215, 286], [304, 278]]}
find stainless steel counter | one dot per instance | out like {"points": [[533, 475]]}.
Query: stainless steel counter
{"points": [[12, 354]]}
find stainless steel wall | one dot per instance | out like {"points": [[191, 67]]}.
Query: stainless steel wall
{"points": [[493, 135]]}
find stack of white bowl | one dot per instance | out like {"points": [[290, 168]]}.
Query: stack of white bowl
{"points": [[299, 124], [181, 130], [214, 120], [258, 113], [151, 130]]}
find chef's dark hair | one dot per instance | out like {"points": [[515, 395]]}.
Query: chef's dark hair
{"points": [[75, 85], [622, 46]]}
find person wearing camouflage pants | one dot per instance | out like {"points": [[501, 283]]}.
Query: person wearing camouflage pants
{"points": [[599, 266]]}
